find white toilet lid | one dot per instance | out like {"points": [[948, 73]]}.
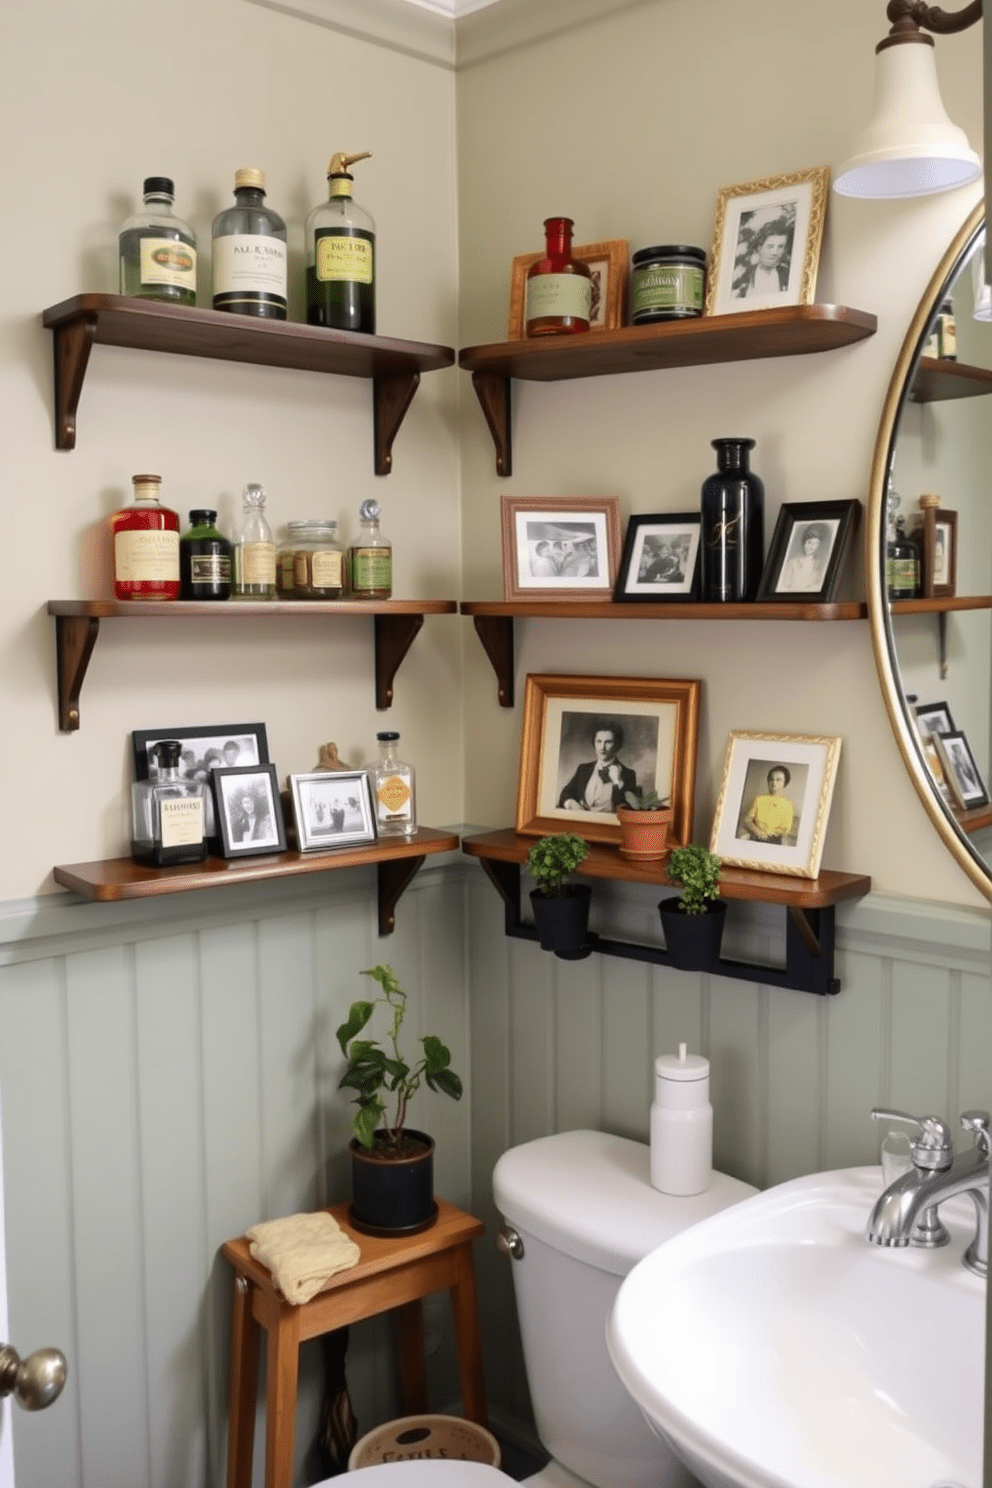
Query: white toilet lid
{"points": [[424, 1474]]}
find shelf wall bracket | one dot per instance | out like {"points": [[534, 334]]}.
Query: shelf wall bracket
{"points": [[75, 637], [496, 634], [71, 346], [391, 397], [493, 393], [394, 635], [393, 876]]}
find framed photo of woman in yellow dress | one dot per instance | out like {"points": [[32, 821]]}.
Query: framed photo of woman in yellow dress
{"points": [[774, 801]]}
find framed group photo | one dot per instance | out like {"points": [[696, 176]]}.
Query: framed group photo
{"points": [[588, 741], [660, 558], [204, 748], [767, 236], [248, 810], [808, 550], [560, 547], [608, 265], [774, 801], [332, 808]]}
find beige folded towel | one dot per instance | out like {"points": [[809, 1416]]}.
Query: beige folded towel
{"points": [[303, 1251]]}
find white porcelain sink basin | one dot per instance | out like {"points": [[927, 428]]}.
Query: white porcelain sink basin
{"points": [[771, 1345]]}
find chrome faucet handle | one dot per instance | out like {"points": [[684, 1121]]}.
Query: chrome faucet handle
{"points": [[978, 1123], [933, 1148]]}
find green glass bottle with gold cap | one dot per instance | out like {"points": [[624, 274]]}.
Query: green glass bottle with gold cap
{"points": [[341, 256]]}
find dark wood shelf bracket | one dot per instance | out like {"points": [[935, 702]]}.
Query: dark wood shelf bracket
{"points": [[493, 393], [75, 637], [394, 635], [809, 942], [393, 876], [391, 397], [496, 634], [71, 348]]}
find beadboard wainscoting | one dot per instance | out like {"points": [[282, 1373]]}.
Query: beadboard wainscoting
{"points": [[168, 1071]]}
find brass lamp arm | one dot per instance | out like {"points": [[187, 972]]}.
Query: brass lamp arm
{"points": [[907, 16]]}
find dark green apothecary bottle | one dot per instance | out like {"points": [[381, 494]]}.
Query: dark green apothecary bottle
{"points": [[341, 256], [204, 559]]}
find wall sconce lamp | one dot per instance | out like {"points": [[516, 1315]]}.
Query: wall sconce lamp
{"points": [[910, 147]]}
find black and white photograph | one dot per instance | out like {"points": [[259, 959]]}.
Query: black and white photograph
{"points": [[205, 747], [808, 551], [933, 718], [560, 546], [660, 558], [248, 810], [767, 236], [774, 801], [960, 769], [332, 809]]}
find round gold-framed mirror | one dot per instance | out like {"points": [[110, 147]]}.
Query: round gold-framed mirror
{"points": [[933, 651]]}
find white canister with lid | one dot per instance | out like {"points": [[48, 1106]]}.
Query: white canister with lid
{"points": [[681, 1124]]}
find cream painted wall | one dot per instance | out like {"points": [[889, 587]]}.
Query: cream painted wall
{"points": [[631, 127], [92, 99]]}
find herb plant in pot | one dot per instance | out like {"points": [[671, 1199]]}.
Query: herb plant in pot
{"points": [[693, 921], [644, 818], [392, 1165], [561, 909]]}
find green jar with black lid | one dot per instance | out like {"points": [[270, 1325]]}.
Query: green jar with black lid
{"points": [[667, 282]]}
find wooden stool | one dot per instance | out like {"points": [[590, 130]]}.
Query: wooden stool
{"points": [[392, 1274]]}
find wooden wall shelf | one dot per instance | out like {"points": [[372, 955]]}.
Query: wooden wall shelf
{"points": [[809, 904], [77, 625], [936, 380], [393, 367], [396, 861], [796, 330]]}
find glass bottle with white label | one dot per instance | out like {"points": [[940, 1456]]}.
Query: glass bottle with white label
{"points": [[168, 820], [249, 252], [157, 249], [254, 549], [394, 788], [145, 539]]}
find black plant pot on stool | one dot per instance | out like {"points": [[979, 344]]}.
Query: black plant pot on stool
{"points": [[693, 940], [562, 921], [393, 1195]]}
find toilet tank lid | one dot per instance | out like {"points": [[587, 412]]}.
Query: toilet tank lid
{"points": [[589, 1195]]}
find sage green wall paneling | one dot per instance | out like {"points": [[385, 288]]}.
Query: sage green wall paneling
{"points": [[857, 1052], [924, 1059], [794, 1099], [286, 1018], [975, 1044], [533, 1070], [578, 1007], [626, 1022], [738, 1055]]}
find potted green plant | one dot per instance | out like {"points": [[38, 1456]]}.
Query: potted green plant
{"points": [[693, 921], [644, 818], [561, 909], [392, 1165]]}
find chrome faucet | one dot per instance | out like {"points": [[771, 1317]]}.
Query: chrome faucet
{"points": [[906, 1213]]}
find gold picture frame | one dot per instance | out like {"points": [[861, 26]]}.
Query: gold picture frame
{"points": [[560, 547], [657, 721], [767, 236], [786, 837], [609, 263]]}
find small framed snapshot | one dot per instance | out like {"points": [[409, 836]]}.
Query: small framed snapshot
{"points": [[248, 810], [933, 718], [332, 808], [808, 550], [660, 558], [767, 236], [938, 534], [774, 802], [608, 264], [960, 770], [587, 741], [205, 748], [560, 547]]}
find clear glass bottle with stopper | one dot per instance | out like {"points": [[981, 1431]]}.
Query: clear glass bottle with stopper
{"points": [[254, 549], [168, 819], [249, 252], [341, 255], [370, 557], [394, 788], [157, 249]]}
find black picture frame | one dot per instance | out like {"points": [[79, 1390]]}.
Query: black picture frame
{"points": [[243, 834], [668, 544], [203, 737], [934, 718], [792, 575], [961, 770], [321, 797]]}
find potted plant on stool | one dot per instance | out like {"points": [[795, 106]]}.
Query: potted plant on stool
{"points": [[644, 818], [392, 1165], [561, 909], [693, 921]]}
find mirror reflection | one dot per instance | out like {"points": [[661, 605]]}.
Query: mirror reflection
{"points": [[930, 552]]}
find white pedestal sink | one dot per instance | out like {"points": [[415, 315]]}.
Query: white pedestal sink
{"points": [[773, 1347]]}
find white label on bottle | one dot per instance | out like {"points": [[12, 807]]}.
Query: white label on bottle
{"points": [[182, 821], [166, 261], [249, 262], [559, 294], [326, 569], [256, 563], [143, 555]]}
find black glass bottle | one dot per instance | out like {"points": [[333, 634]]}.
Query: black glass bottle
{"points": [[732, 520]]}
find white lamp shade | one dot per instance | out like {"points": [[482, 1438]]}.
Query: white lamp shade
{"points": [[909, 147]]}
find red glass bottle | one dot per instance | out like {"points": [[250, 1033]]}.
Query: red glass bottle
{"points": [[146, 545], [559, 287]]}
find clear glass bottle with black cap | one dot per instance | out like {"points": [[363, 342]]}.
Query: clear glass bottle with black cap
{"points": [[205, 566], [168, 819], [157, 249], [249, 252], [394, 787]]}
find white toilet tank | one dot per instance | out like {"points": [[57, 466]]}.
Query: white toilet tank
{"points": [[584, 1209]]}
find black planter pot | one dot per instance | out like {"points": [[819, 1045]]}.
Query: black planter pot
{"points": [[693, 940], [393, 1195], [563, 922]]}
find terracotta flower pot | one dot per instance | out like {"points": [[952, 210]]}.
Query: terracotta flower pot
{"points": [[393, 1195], [644, 834]]}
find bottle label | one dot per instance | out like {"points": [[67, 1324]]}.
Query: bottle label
{"points": [[249, 263], [559, 295], [256, 563], [343, 256], [395, 795], [325, 569], [667, 287], [902, 574], [146, 555], [166, 261], [210, 568], [371, 568], [181, 821]]}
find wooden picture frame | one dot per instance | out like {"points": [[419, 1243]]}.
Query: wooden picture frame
{"points": [[961, 770], [660, 560], [609, 263], [654, 725], [936, 530], [560, 547], [767, 236], [332, 808], [248, 810], [807, 768], [808, 550]]}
